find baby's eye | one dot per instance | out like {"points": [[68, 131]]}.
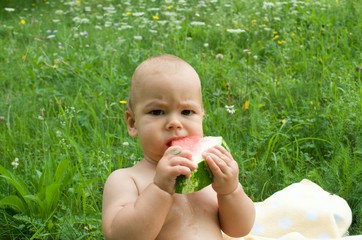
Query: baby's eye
{"points": [[187, 112], [157, 112]]}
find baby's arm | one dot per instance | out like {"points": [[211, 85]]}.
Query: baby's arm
{"points": [[130, 214], [127, 215], [236, 209], [236, 213]]}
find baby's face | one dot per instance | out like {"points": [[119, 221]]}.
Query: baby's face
{"points": [[167, 105]]}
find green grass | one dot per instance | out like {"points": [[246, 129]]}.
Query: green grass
{"points": [[64, 71]]}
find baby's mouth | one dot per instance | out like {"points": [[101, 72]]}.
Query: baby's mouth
{"points": [[169, 143]]}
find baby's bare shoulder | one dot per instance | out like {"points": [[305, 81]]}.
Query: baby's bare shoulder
{"points": [[135, 177], [125, 173], [119, 190], [119, 181], [120, 174]]}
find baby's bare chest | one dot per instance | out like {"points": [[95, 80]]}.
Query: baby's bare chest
{"points": [[190, 206], [191, 217]]}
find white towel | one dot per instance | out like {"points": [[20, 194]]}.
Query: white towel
{"points": [[302, 211]]}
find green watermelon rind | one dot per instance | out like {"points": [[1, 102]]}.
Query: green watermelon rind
{"points": [[200, 178]]}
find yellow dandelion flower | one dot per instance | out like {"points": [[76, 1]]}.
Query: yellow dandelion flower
{"points": [[246, 105], [280, 42], [123, 102], [78, 2], [22, 22], [275, 37], [253, 21], [128, 13], [168, 8], [155, 17], [54, 66]]}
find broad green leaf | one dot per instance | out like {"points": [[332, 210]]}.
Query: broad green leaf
{"points": [[52, 197], [15, 181], [62, 172], [14, 202], [35, 204]]}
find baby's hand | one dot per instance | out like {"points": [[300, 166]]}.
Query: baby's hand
{"points": [[224, 168], [174, 162]]}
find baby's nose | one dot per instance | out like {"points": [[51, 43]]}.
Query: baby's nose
{"points": [[174, 123]]}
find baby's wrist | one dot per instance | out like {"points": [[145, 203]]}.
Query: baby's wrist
{"points": [[235, 190], [163, 190]]}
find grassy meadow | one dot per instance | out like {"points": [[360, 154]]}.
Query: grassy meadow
{"points": [[282, 83]]}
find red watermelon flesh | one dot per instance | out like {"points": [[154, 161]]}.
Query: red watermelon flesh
{"points": [[197, 145], [202, 176]]}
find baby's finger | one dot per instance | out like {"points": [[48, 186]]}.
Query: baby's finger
{"points": [[173, 150], [178, 151], [181, 170], [182, 161], [221, 162], [214, 165], [222, 154], [224, 151]]}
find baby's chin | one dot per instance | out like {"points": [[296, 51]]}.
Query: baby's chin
{"points": [[152, 159]]}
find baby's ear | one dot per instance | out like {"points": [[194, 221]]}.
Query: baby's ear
{"points": [[131, 123]]}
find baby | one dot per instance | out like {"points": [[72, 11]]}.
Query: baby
{"points": [[140, 202]]}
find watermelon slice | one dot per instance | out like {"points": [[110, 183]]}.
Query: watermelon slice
{"points": [[202, 176]]}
